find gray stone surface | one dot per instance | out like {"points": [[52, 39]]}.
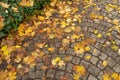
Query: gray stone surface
{"points": [[99, 51], [94, 70], [92, 78], [94, 60]]}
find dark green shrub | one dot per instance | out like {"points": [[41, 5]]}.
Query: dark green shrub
{"points": [[16, 12]]}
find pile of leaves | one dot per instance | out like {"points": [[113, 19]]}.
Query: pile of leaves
{"points": [[13, 12]]}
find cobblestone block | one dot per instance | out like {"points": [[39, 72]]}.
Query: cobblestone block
{"points": [[96, 52], [103, 56], [50, 73], [91, 77], [111, 62], [101, 40], [39, 74], [94, 70], [76, 60], [70, 51], [69, 75], [116, 68], [59, 74], [85, 64], [98, 45], [94, 60], [100, 76], [32, 74], [25, 77], [80, 55], [69, 67], [117, 41], [39, 65], [100, 65]]}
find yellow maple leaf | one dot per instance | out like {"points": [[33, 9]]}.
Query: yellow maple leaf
{"points": [[116, 22], [21, 29], [68, 30], [105, 63], [115, 76], [114, 47], [48, 14], [12, 75], [51, 36], [56, 60], [74, 36], [79, 69], [19, 66], [65, 42], [28, 31], [88, 57], [106, 77], [99, 35], [5, 50], [61, 63], [87, 48], [76, 76], [108, 8], [41, 18], [108, 34], [95, 31], [51, 49]]}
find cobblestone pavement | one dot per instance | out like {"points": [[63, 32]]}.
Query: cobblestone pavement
{"points": [[94, 66]]}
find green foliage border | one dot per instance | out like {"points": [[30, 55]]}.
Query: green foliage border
{"points": [[13, 19]]}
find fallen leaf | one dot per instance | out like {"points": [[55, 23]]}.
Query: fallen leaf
{"points": [[87, 48], [99, 36], [105, 63], [56, 60], [51, 49], [95, 31], [115, 76], [88, 57], [61, 63], [79, 69], [76, 76], [106, 77], [44, 68], [114, 47]]}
